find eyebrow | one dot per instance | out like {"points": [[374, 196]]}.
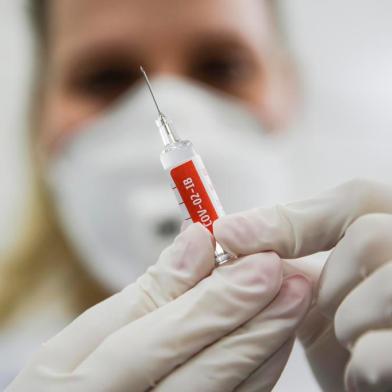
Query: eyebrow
{"points": [[118, 48]]}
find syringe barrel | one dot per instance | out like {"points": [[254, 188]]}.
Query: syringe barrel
{"points": [[192, 186]]}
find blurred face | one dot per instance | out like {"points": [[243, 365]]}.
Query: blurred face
{"points": [[95, 48]]}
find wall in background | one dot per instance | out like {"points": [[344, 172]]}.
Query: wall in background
{"points": [[15, 71], [345, 60]]}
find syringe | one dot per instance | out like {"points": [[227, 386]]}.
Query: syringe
{"points": [[189, 179]]}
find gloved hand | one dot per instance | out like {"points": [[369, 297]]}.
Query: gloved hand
{"points": [[348, 333], [182, 326]]}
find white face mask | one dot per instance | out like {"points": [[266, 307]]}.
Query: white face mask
{"points": [[112, 196]]}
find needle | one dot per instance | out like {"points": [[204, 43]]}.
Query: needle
{"points": [[167, 134], [150, 88]]}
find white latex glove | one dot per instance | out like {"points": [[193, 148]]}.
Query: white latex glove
{"points": [[182, 326], [348, 333]]}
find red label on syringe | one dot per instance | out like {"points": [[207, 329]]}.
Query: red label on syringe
{"points": [[194, 194]]}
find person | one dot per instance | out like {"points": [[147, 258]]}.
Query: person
{"points": [[93, 224], [225, 328]]}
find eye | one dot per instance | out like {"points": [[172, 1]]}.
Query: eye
{"points": [[223, 69], [105, 82]]}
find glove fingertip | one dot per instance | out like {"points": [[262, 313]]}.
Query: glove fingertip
{"points": [[229, 231], [195, 245], [297, 290]]}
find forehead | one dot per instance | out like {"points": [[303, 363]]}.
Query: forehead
{"points": [[82, 22]]}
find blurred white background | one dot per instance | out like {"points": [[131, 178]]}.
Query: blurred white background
{"points": [[343, 49], [15, 75], [345, 57]]}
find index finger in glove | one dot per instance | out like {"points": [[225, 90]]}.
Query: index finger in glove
{"points": [[226, 363], [151, 347], [305, 227], [180, 267]]}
